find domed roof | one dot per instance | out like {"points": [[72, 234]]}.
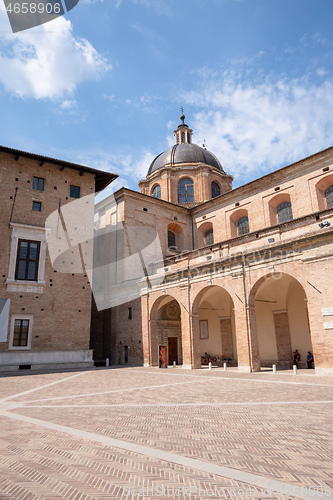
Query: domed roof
{"points": [[184, 153]]}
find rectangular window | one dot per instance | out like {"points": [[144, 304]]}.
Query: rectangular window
{"points": [[37, 206], [38, 183], [129, 313], [27, 260], [74, 192], [113, 219], [21, 331]]}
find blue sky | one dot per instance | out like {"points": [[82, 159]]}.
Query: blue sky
{"points": [[103, 86]]}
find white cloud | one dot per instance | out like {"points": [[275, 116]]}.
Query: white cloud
{"points": [[130, 166], [257, 127], [68, 104], [47, 61]]}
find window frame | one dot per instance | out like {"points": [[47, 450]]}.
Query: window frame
{"points": [[209, 233], [27, 260], [38, 179], [184, 184], [36, 203], [281, 212], [74, 188], [21, 317], [157, 189], [243, 225], [211, 188], [328, 193], [31, 233], [174, 236]]}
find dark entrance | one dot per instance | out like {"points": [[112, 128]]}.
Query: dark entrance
{"points": [[172, 350]]}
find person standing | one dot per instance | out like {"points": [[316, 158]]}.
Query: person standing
{"points": [[309, 360]]}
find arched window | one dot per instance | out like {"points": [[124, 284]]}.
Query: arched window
{"points": [[185, 191], [243, 226], [157, 191], [183, 136], [329, 196], [209, 237], [284, 212], [215, 189], [172, 240]]}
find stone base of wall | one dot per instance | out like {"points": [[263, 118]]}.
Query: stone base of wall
{"points": [[280, 365], [244, 369], [45, 360], [324, 371]]}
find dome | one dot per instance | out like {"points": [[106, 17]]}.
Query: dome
{"points": [[184, 153]]}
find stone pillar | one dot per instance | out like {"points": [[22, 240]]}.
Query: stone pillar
{"points": [[145, 329], [254, 343], [321, 333], [243, 357], [226, 338], [196, 341], [153, 342], [247, 339], [186, 329], [282, 334]]}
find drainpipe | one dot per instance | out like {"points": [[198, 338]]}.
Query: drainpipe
{"points": [[190, 309], [192, 232], [149, 331], [246, 311]]}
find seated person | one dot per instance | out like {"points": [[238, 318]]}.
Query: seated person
{"points": [[205, 359]]}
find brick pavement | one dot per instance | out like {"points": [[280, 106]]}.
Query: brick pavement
{"points": [[105, 433]]}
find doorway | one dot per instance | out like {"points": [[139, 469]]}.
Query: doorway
{"points": [[172, 350]]}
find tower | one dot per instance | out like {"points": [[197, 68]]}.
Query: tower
{"points": [[185, 174]]}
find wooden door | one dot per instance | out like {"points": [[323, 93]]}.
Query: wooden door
{"points": [[172, 350]]}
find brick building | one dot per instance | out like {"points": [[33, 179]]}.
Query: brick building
{"points": [[45, 301], [245, 274]]}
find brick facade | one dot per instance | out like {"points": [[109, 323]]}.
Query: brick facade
{"points": [[56, 304], [263, 293]]}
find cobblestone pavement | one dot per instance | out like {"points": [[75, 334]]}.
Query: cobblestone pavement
{"points": [[148, 433]]}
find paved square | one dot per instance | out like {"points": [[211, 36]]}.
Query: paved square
{"points": [[149, 433]]}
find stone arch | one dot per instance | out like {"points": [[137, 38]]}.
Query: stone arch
{"points": [[280, 319], [178, 233], [165, 329], [321, 186], [234, 218], [202, 230], [274, 203], [213, 317]]}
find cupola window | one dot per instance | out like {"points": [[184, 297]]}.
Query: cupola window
{"points": [[284, 212], [243, 226], [156, 193], [329, 196], [183, 136], [215, 189], [185, 191]]}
